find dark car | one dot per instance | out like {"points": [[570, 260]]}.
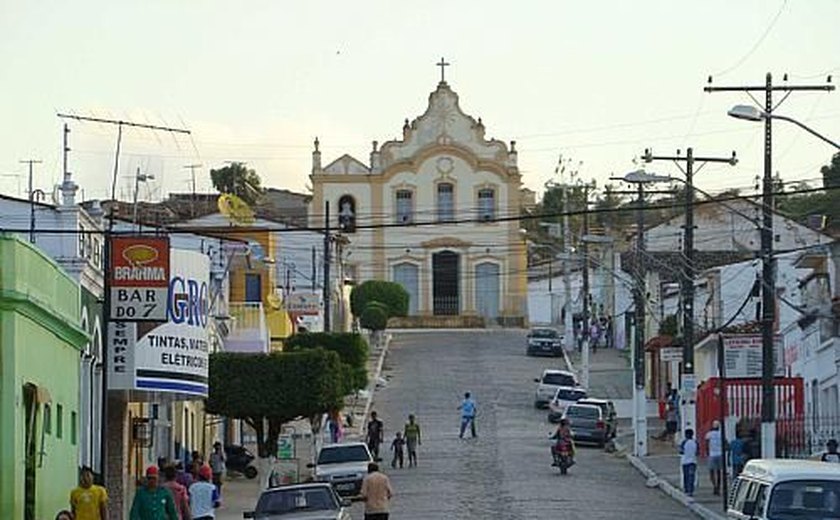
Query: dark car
{"points": [[313, 501], [239, 460], [587, 423], [544, 341], [608, 409]]}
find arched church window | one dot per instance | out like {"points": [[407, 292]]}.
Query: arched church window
{"points": [[486, 204], [445, 202], [347, 214]]}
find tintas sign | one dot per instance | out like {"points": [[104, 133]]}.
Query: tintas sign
{"points": [[171, 356], [139, 274]]}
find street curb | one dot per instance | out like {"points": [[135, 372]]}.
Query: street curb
{"points": [[568, 361], [668, 488], [372, 384]]}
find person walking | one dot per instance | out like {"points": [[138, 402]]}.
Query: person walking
{"points": [[179, 492], [377, 493], [737, 454], [688, 461], [375, 434], [217, 461], [468, 410], [411, 433], [398, 447], [88, 501], [204, 496], [831, 454], [714, 443], [151, 501]]}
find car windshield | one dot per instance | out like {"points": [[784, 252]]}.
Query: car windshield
{"points": [[558, 379], [583, 412], [809, 499], [278, 502], [566, 394], [339, 454], [543, 333]]}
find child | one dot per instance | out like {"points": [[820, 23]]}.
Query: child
{"points": [[397, 446]]}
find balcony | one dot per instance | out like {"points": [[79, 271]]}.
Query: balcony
{"points": [[248, 330]]}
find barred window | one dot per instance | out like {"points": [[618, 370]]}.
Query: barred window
{"points": [[405, 207], [445, 202]]}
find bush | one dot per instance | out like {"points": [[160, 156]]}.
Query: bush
{"points": [[352, 350], [391, 294], [374, 317]]}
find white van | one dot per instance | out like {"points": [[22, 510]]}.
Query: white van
{"points": [[786, 490]]}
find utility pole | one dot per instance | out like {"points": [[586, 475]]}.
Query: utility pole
{"points": [[192, 168], [688, 410], [31, 162], [314, 270], [585, 329], [327, 245], [768, 267], [568, 317]]}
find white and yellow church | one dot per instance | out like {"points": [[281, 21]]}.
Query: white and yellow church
{"points": [[437, 212]]}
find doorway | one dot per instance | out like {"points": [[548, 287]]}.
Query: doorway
{"points": [[446, 283], [487, 290], [30, 421]]}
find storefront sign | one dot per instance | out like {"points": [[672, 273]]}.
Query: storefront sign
{"points": [[304, 303], [671, 354], [743, 355], [139, 278], [170, 356]]}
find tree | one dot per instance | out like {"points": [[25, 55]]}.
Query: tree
{"points": [[269, 390], [831, 172], [374, 317], [352, 350], [238, 180], [391, 294]]}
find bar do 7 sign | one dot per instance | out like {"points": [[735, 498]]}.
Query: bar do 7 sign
{"points": [[139, 276]]}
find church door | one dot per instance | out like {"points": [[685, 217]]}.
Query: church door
{"points": [[487, 290], [445, 283], [406, 274]]}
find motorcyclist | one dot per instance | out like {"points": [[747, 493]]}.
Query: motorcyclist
{"points": [[563, 441]]}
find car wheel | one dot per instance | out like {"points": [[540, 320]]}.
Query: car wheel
{"points": [[251, 472]]}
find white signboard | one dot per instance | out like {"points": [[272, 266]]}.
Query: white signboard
{"points": [[171, 356], [307, 303], [671, 354], [743, 356]]}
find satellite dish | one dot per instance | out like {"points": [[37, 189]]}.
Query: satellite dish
{"points": [[235, 209]]}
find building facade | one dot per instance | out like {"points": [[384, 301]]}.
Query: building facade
{"points": [[40, 344], [435, 211]]}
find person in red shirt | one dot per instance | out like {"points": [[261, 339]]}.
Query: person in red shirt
{"points": [[179, 492]]}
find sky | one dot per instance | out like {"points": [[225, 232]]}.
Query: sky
{"points": [[256, 81]]}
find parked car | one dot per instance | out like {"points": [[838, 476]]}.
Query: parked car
{"points": [[587, 423], [563, 397], [549, 382], [544, 341], [311, 501], [608, 410], [344, 466]]}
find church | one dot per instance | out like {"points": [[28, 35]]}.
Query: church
{"points": [[436, 211]]}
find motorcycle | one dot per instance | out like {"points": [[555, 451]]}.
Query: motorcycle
{"points": [[240, 461], [562, 454]]}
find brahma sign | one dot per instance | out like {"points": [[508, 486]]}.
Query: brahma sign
{"points": [[139, 278]]}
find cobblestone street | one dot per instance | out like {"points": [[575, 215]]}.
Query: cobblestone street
{"points": [[506, 472]]}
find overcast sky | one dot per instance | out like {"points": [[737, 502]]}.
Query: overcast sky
{"points": [[256, 81]]}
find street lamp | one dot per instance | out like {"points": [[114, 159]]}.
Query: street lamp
{"points": [[753, 113]]}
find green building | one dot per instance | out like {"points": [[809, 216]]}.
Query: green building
{"points": [[40, 342]]}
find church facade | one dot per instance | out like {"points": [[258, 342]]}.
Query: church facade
{"points": [[436, 211]]}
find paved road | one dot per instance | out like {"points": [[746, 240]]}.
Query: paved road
{"points": [[506, 472]]}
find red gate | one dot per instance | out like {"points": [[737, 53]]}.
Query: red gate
{"points": [[743, 401]]}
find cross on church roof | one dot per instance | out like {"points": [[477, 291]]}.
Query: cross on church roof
{"points": [[442, 63]]}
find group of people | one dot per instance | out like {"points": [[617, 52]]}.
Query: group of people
{"points": [[406, 440], [599, 332], [179, 495], [741, 449]]}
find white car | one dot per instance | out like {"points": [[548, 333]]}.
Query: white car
{"points": [[344, 466], [549, 382], [565, 396]]}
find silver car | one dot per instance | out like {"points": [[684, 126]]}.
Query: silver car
{"points": [[312, 501]]}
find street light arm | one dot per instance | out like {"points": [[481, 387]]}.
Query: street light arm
{"points": [[807, 129]]}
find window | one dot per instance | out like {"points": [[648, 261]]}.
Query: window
{"points": [[347, 214], [59, 421], [486, 204], [405, 207], [445, 202], [47, 418], [253, 288], [73, 428]]}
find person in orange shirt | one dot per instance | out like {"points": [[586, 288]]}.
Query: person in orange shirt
{"points": [[89, 501], [179, 492]]}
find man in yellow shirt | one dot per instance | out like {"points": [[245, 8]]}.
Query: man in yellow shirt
{"points": [[89, 501]]}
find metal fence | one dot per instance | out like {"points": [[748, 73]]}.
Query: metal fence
{"points": [[799, 437]]}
